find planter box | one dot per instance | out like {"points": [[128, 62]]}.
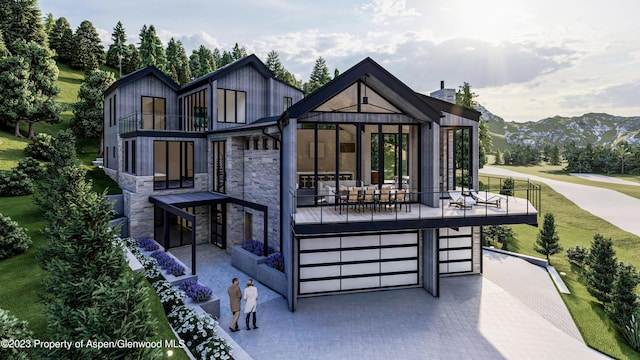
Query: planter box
{"points": [[246, 261], [211, 306], [272, 278], [133, 261], [177, 280]]}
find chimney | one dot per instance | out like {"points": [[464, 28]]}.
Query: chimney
{"points": [[448, 95]]}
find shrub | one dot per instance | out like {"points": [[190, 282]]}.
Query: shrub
{"points": [[578, 255], [199, 333], [631, 333], [13, 239], [168, 263], [276, 261], [256, 247], [214, 348], [148, 244], [15, 183], [41, 148], [195, 291], [507, 187], [13, 329], [31, 167], [170, 296]]}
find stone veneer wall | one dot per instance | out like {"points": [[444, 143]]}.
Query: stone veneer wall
{"points": [[253, 175], [139, 210], [476, 233]]}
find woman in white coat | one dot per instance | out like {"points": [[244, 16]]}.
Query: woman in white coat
{"points": [[251, 297]]}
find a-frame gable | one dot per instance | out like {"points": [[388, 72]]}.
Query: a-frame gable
{"points": [[358, 98], [384, 84], [139, 74]]}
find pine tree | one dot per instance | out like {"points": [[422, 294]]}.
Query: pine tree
{"points": [[319, 76], [238, 52], [624, 301], [131, 61], [547, 242], [207, 63], [88, 111], [602, 268], [274, 64], [88, 51], [3, 48], [49, 23], [21, 20], [117, 47], [61, 40], [184, 72], [227, 58], [554, 155], [194, 64], [151, 49], [15, 93]]}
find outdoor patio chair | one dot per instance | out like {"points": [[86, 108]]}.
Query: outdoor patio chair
{"points": [[401, 199], [369, 198], [352, 199], [494, 200], [386, 198], [458, 200]]}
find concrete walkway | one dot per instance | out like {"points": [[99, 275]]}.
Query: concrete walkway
{"points": [[619, 209], [511, 312], [605, 179]]}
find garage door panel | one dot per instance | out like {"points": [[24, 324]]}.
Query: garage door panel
{"points": [[393, 266], [399, 239], [455, 242], [319, 243], [397, 280], [319, 271], [361, 283], [460, 266], [402, 252], [319, 257], [359, 255], [360, 241], [359, 269], [307, 287]]}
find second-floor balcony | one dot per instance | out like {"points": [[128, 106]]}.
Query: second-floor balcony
{"points": [[162, 122], [360, 209]]}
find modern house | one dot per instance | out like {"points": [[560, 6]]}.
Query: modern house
{"points": [[351, 183]]}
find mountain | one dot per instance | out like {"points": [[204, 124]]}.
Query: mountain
{"points": [[591, 128]]}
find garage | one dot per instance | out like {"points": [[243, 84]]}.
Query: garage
{"points": [[349, 263]]}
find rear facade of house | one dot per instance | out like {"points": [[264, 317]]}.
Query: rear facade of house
{"points": [[350, 183]]}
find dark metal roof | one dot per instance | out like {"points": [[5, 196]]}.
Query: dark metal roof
{"points": [[140, 73], [451, 108], [189, 199], [247, 60], [378, 78], [258, 124]]}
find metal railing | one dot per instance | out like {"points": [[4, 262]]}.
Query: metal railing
{"points": [[156, 122], [338, 208]]}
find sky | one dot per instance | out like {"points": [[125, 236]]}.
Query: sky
{"points": [[525, 59]]}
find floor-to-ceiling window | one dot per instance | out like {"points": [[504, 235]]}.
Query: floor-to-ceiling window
{"points": [[196, 111], [219, 166], [218, 222], [172, 164], [179, 229], [153, 113]]}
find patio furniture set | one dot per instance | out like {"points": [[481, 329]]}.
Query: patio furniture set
{"points": [[465, 199]]}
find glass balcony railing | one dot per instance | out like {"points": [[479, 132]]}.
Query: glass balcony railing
{"points": [[161, 122]]}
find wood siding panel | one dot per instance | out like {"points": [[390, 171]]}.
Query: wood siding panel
{"points": [[130, 95], [247, 79]]}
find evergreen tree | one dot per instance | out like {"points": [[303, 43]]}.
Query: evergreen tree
{"points": [[131, 61], [88, 52], [151, 49], [624, 301], [205, 58], [274, 64], [336, 73], [547, 242], [466, 97], [602, 268], [217, 57], [118, 46], [49, 23], [238, 52], [3, 48], [184, 72], [61, 40], [32, 93], [194, 64], [554, 155], [485, 142], [88, 111], [319, 76], [498, 159], [21, 20], [227, 58]]}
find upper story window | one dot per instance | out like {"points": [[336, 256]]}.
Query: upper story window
{"points": [[232, 106], [154, 112], [196, 107], [287, 102]]}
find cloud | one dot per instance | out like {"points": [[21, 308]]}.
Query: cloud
{"points": [[618, 95], [380, 11]]}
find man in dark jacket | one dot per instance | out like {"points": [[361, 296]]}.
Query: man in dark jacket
{"points": [[235, 296]]}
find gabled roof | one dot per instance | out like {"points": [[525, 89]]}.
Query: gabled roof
{"points": [[378, 78], [140, 73], [223, 71], [451, 108]]}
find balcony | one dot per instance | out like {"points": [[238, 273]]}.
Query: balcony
{"points": [[517, 206], [135, 122]]}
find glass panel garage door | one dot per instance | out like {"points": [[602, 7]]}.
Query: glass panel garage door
{"points": [[335, 264], [456, 250]]}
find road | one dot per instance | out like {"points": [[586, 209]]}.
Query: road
{"points": [[619, 209]]}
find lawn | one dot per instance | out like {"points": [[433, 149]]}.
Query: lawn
{"points": [[577, 227]]}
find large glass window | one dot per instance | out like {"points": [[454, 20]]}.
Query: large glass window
{"points": [[153, 113], [196, 108], [219, 166], [358, 97], [232, 106], [172, 164]]}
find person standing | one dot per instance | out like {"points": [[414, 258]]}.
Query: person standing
{"points": [[235, 296], [251, 297]]}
